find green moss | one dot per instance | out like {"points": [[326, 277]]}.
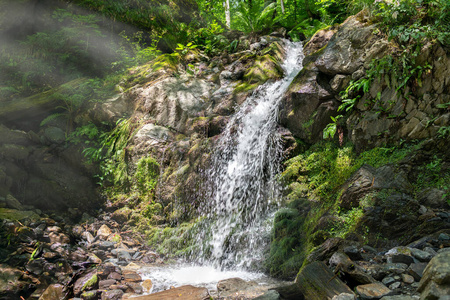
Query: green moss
{"points": [[264, 68], [13, 214], [90, 284], [147, 173], [245, 87]]}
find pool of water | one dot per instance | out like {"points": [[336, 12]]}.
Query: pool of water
{"points": [[200, 276]]}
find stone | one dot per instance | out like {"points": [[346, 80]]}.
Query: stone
{"points": [[290, 292], [398, 297], [104, 231], [147, 285], [86, 282], [112, 295], [375, 290], [131, 276], [416, 270], [407, 278], [12, 202], [344, 296], [388, 280], [269, 295], [89, 295], [135, 287], [420, 255], [53, 292], [395, 285], [435, 282], [433, 197], [353, 252], [396, 268], [228, 287], [316, 281], [185, 292], [105, 284]]}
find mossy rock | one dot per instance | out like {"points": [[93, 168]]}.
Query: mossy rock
{"points": [[264, 68], [13, 214]]}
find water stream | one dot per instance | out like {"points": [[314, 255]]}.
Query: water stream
{"points": [[243, 191], [243, 175]]}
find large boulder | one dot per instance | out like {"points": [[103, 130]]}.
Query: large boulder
{"points": [[435, 282]]}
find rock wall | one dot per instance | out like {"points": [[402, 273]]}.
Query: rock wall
{"points": [[382, 115]]}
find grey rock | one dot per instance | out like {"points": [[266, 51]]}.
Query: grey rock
{"points": [[269, 295], [435, 282], [396, 268], [420, 255], [398, 297], [444, 237], [344, 296], [395, 285], [228, 287], [388, 280]]}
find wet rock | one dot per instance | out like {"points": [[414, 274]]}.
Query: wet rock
{"points": [[134, 287], [230, 286], [86, 282], [131, 276], [316, 281], [185, 292], [147, 285], [435, 282], [58, 238], [112, 295], [433, 197], [395, 285], [372, 291]]}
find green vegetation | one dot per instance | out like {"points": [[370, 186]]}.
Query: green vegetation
{"points": [[314, 178]]}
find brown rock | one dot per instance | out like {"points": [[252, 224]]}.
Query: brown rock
{"points": [[131, 276], [185, 292], [147, 284], [317, 282], [53, 292], [375, 290]]}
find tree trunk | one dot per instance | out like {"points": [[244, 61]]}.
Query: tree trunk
{"points": [[282, 6], [227, 13]]}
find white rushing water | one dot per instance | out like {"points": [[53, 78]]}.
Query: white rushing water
{"points": [[242, 189], [243, 183]]}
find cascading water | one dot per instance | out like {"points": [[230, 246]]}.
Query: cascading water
{"points": [[241, 191], [243, 175]]}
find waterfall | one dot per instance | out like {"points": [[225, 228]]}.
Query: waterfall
{"points": [[243, 175]]}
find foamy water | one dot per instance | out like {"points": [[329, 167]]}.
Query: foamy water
{"points": [[201, 276]]}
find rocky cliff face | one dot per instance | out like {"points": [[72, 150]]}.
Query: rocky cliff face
{"points": [[383, 114]]}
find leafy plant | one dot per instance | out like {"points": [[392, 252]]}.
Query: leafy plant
{"points": [[330, 130]]}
